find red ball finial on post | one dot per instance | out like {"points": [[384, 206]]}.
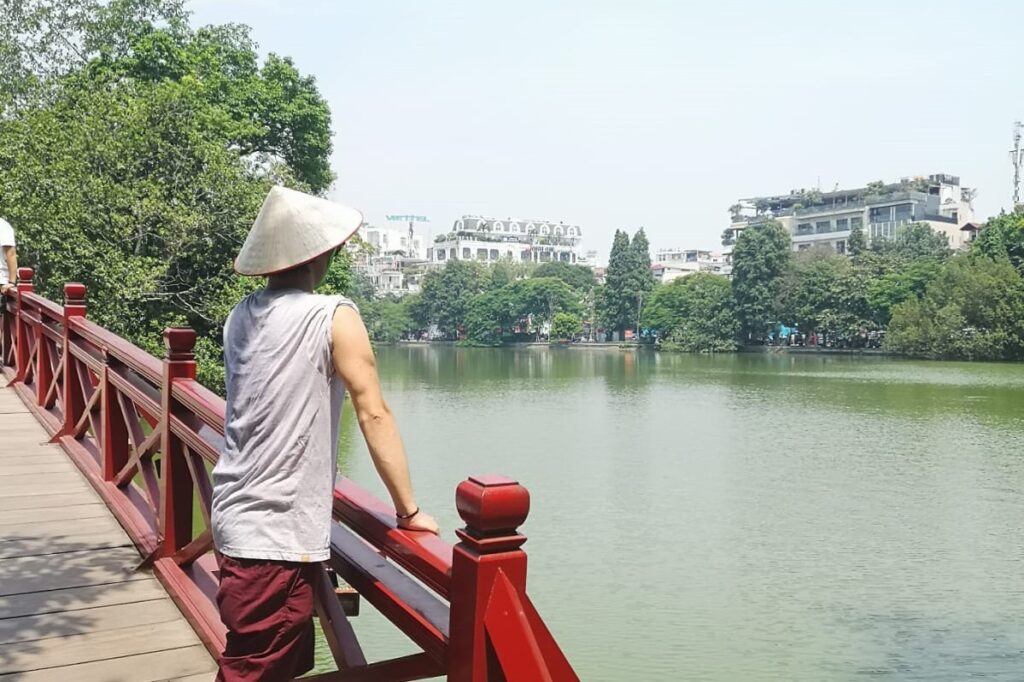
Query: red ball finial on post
{"points": [[25, 275], [492, 505], [74, 294], [179, 341]]}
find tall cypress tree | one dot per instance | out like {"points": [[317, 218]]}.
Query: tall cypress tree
{"points": [[617, 302], [640, 250]]}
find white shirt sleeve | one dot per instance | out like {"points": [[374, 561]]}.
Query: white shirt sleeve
{"points": [[6, 233]]}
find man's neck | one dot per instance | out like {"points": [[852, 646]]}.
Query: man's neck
{"points": [[302, 282]]}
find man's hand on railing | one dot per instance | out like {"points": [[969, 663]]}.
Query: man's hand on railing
{"points": [[420, 521], [7, 288]]}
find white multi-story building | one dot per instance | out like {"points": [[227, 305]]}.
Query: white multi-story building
{"points": [[390, 241], [826, 218], [489, 240], [391, 259], [670, 264]]}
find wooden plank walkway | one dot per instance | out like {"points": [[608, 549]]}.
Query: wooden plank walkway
{"points": [[72, 607]]}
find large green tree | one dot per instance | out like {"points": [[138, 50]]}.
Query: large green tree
{"points": [[916, 240], [972, 310], [694, 313], [759, 260], [821, 291], [138, 165], [1002, 237], [446, 294]]}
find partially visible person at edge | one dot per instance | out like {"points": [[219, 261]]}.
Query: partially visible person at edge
{"points": [[289, 357], [9, 259]]}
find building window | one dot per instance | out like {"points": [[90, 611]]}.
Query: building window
{"points": [[564, 257], [823, 226], [841, 247], [803, 247], [494, 254], [904, 213], [881, 215], [440, 254], [524, 256], [481, 254], [545, 256], [465, 253], [805, 228], [842, 224], [856, 222]]}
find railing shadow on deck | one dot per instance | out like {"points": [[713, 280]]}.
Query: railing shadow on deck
{"points": [[145, 433]]}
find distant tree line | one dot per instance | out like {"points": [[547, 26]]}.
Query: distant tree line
{"points": [[929, 301]]}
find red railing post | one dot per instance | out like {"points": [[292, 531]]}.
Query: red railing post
{"points": [[175, 480], [21, 328], [493, 507], [74, 393], [114, 433]]}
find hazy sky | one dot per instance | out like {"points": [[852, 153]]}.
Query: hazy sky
{"points": [[656, 114]]}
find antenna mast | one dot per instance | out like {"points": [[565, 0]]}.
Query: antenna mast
{"points": [[1016, 157]]}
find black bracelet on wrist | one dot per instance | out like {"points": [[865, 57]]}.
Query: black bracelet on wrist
{"points": [[406, 517]]}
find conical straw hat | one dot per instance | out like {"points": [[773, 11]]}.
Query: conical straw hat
{"points": [[293, 228]]}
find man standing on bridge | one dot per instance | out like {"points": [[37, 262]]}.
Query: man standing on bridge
{"points": [[289, 357], [9, 257]]}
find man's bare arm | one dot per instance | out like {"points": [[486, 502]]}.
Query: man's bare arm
{"points": [[357, 367], [11, 256]]}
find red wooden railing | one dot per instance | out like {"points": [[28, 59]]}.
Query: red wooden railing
{"points": [[145, 433]]}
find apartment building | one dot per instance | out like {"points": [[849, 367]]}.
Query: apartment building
{"points": [[815, 218]]}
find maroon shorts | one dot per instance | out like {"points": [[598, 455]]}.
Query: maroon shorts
{"points": [[267, 607]]}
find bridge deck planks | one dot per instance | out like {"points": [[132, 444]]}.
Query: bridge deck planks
{"points": [[72, 605]]}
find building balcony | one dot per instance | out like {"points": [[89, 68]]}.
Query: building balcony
{"points": [[820, 237]]}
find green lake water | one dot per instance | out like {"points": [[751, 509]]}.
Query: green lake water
{"points": [[739, 517]]}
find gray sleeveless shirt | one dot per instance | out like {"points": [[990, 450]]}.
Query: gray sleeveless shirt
{"points": [[273, 483]]}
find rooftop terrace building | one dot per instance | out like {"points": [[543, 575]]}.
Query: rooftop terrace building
{"points": [[816, 218], [668, 264], [489, 240]]}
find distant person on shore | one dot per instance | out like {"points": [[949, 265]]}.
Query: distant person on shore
{"points": [[289, 357], [9, 257]]}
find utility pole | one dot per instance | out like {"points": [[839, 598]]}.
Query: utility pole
{"points": [[1016, 157]]}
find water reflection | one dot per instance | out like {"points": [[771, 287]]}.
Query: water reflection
{"points": [[740, 517]]}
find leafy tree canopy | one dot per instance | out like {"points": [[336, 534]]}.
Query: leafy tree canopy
{"points": [[1002, 238], [694, 313], [579, 277], [566, 326], [971, 310], [137, 153]]}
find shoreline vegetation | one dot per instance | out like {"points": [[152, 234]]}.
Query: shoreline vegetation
{"points": [[907, 296], [614, 345]]}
